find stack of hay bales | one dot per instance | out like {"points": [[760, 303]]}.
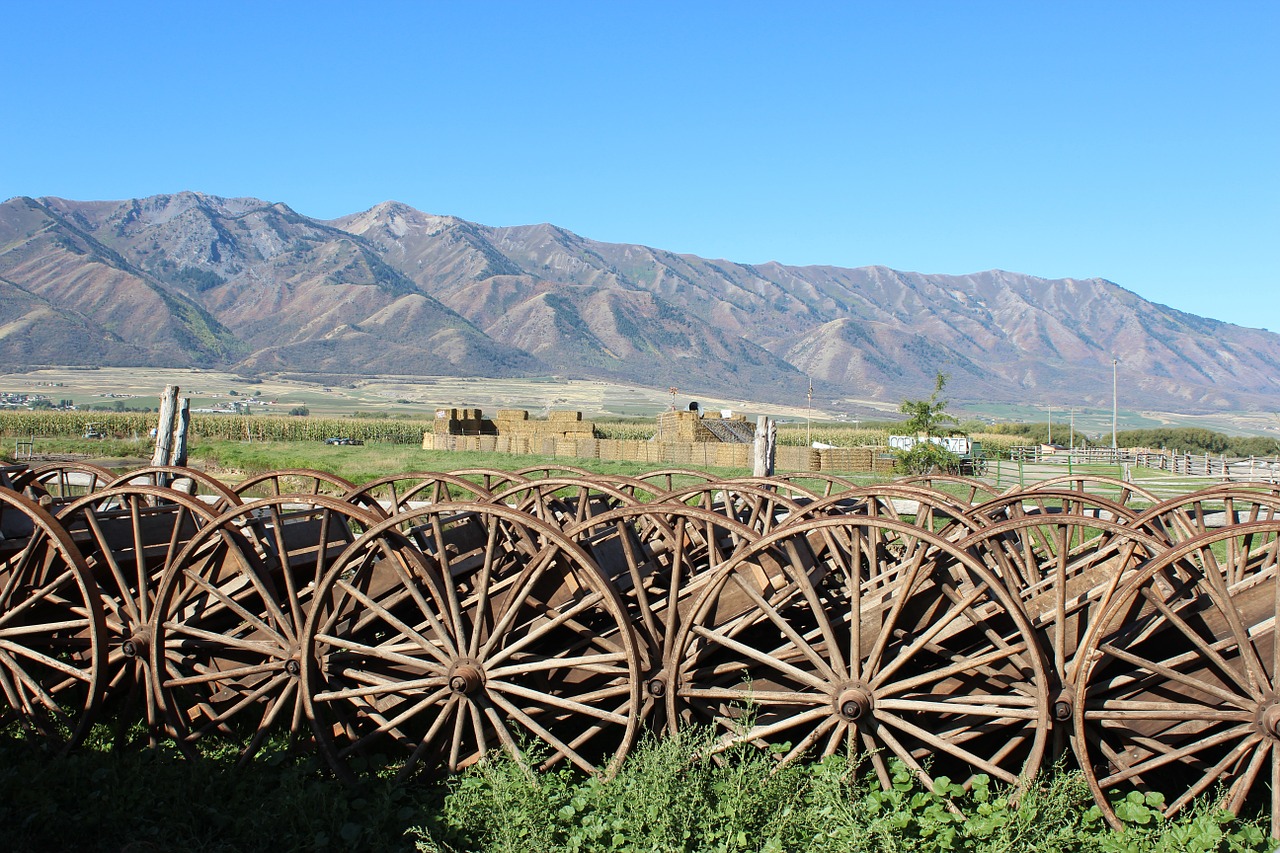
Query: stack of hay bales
{"points": [[683, 439], [790, 458], [462, 422], [511, 431], [855, 459], [683, 428]]}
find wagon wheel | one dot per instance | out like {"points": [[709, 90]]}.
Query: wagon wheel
{"points": [[226, 651], [1177, 689], [52, 650], [659, 557], [667, 479], [782, 486], [400, 492], [491, 479], [129, 536], [463, 628], [1064, 568], [759, 509], [873, 637], [940, 512], [1047, 502], [8, 473], [207, 489], [564, 501], [62, 482], [641, 490], [541, 472], [969, 489], [1112, 488], [821, 484], [1187, 516], [293, 481]]}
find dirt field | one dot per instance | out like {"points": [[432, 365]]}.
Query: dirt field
{"points": [[381, 396], [389, 396]]}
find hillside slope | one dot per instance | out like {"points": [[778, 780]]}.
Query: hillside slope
{"points": [[194, 279]]}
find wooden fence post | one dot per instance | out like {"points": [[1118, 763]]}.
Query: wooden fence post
{"points": [[164, 432], [765, 447], [182, 423]]}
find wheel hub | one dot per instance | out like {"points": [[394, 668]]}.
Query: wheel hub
{"points": [[855, 702], [137, 644], [1269, 719], [466, 677], [1063, 704]]}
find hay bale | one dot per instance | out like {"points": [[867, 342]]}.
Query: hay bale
{"points": [[796, 459]]}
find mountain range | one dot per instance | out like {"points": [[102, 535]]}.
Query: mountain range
{"points": [[197, 280]]}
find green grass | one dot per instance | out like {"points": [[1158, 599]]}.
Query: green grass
{"points": [[373, 460], [664, 798]]}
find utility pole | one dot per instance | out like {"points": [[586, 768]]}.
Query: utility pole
{"points": [[808, 417], [1073, 429], [1051, 424], [1114, 398]]}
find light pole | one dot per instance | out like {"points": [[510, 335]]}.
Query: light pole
{"points": [[808, 416], [1073, 429], [1114, 362], [1051, 424]]}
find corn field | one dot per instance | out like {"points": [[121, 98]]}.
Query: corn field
{"points": [[226, 427]]}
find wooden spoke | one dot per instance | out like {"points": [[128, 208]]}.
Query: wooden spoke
{"points": [[210, 491], [58, 483], [400, 492], [970, 490], [755, 507], [1113, 489], [565, 501], [941, 512], [1065, 566], [293, 481], [667, 479], [1184, 517]]}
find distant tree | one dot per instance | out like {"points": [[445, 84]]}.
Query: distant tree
{"points": [[300, 411], [926, 419]]}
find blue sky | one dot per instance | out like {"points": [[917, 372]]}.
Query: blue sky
{"points": [[1134, 141]]}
